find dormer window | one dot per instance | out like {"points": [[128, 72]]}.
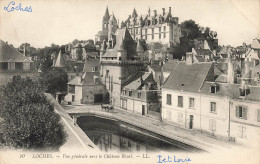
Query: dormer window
{"points": [[130, 93], [94, 69], [214, 88], [244, 90]]}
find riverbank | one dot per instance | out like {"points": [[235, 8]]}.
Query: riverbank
{"points": [[189, 137], [76, 139]]}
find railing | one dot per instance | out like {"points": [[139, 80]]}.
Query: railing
{"points": [[142, 125]]}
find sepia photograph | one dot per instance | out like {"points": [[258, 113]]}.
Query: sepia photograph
{"points": [[135, 81]]}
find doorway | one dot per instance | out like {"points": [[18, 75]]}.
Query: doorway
{"points": [[191, 122], [143, 109]]}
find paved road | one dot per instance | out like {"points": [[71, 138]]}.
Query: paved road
{"points": [[190, 137]]}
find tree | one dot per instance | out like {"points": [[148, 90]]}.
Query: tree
{"points": [[55, 80], [193, 27], [28, 118]]}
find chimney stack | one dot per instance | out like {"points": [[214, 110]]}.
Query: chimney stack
{"points": [[155, 13], [163, 11], [189, 58]]}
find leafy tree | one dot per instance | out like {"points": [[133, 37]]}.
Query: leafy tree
{"points": [[54, 80], [28, 118], [193, 27]]}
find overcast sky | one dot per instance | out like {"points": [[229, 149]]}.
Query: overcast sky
{"points": [[60, 22]]}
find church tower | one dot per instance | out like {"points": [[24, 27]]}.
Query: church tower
{"points": [[105, 21]]}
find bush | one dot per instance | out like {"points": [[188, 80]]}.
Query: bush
{"points": [[54, 81], [28, 119]]}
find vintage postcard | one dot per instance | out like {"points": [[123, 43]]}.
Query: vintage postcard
{"points": [[135, 81]]}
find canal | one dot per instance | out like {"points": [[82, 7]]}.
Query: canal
{"points": [[113, 135]]}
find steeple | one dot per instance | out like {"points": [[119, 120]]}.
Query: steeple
{"points": [[106, 16], [134, 14], [149, 12], [60, 61], [139, 47]]}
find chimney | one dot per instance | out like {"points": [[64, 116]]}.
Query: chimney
{"points": [[24, 50], [189, 58], [163, 11], [80, 79], [154, 13], [170, 10], [244, 89]]}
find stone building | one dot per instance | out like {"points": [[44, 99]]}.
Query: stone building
{"points": [[140, 95], [12, 63], [156, 27], [119, 60], [109, 27]]}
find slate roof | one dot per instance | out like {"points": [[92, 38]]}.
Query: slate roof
{"points": [[232, 90], [9, 53], [135, 82], [129, 44], [60, 61], [91, 63], [170, 65], [188, 77], [256, 44], [87, 79]]}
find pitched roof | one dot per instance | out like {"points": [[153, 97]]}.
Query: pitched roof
{"points": [[91, 63], [188, 77], [135, 82], [122, 35], [232, 90], [256, 44], [106, 16], [170, 66], [8, 53], [134, 14], [88, 78], [139, 47], [60, 61]]}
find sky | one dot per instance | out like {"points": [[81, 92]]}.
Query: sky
{"points": [[62, 21]]}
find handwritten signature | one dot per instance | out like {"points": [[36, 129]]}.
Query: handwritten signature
{"points": [[11, 7], [169, 159]]}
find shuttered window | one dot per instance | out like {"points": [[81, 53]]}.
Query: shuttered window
{"points": [[180, 101], [258, 115], [180, 118], [191, 102], [241, 112], [213, 107], [169, 99], [212, 125]]}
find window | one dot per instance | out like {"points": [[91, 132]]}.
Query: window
{"points": [[180, 118], [130, 93], [139, 94], [241, 112], [94, 69], [212, 125], [258, 115], [145, 34], [191, 102], [18, 66], [137, 31], [213, 89], [180, 101], [11, 65], [124, 92], [242, 131], [26, 66], [152, 33], [169, 99], [4, 66], [164, 35], [107, 73], [164, 28], [213, 107]]}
